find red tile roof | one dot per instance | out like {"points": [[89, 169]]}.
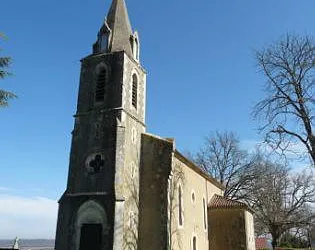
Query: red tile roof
{"points": [[262, 243], [222, 202]]}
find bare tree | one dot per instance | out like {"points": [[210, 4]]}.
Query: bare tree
{"points": [[281, 199], [222, 157], [296, 237], [287, 110]]}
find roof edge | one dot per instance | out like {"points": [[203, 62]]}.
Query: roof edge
{"points": [[158, 138], [188, 162], [230, 204], [197, 169]]}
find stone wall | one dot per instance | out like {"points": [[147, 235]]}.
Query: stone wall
{"points": [[227, 229], [156, 161], [197, 189]]}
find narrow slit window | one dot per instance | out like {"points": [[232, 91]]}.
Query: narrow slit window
{"points": [[100, 86], [104, 42], [136, 49], [132, 221], [204, 213], [194, 243], [134, 91], [180, 207]]}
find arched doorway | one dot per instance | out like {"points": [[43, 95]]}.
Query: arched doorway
{"points": [[91, 227]]}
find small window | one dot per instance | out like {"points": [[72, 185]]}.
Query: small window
{"points": [[132, 220], [135, 46], [133, 169], [134, 91], [180, 206], [134, 135], [204, 214], [104, 42], [136, 51], [98, 130], [100, 86], [95, 163], [193, 197], [194, 243]]}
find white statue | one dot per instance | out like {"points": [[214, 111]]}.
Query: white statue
{"points": [[16, 243]]}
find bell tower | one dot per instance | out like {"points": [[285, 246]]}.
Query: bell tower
{"points": [[99, 209]]}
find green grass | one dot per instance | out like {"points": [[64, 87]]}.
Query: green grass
{"points": [[288, 248]]}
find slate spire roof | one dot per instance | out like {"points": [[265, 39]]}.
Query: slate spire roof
{"points": [[121, 31]]}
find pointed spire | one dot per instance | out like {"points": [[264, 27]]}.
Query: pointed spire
{"points": [[121, 31]]}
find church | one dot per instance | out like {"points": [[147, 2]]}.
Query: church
{"points": [[128, 189]]}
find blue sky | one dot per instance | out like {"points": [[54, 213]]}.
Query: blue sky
{"points": [[202, 77]]}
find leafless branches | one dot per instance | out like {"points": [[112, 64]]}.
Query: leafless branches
{"points": [[223, 159], [281, 199], [287, 110]]}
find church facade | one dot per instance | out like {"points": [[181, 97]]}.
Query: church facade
{"points": [[128, 189]]}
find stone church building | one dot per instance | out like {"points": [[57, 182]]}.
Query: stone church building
{"points": [[128, 189]]}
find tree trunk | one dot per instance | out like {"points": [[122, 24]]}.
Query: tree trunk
{"points": [[274, 243], [312, 142], [275, 237]]}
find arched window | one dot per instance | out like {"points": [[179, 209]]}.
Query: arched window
{"points": [[134, 91], [194, 243], [204, 213], [180, 206], [100, 86]]}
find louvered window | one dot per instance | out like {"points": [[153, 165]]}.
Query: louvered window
{"points": [[100, 86], [134, 91]]}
